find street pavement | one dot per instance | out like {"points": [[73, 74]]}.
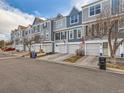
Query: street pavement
{"points": [[23, 75]]}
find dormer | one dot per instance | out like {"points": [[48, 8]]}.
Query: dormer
{"points": [[75, 17]]}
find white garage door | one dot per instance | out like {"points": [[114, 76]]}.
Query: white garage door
{"points": [[47, 48], [61, 48], [73, 48], [93, 49]]}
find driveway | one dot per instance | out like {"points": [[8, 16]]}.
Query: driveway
{"points": [[90, 61], [20, 75]]}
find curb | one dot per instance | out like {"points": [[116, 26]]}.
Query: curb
{"points": [[109, 70]]}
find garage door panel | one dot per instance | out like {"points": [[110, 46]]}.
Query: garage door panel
{"points": [[73, 48], [92, 49], [61, 48]]}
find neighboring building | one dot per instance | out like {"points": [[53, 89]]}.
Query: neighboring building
{"points": [[75, 30], [40, 31], [17, 38], [94, 44], [60, 34]]}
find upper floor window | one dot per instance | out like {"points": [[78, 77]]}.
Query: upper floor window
{"points": [[59, 24], [71, 34], [122, 5], [38, 28], [96, 9], [45, 25], [34, 28], [74, 19]]}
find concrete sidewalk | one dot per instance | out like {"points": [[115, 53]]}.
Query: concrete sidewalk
{"points": [[89, 62]]}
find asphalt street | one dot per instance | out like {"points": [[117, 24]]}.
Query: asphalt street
{"points": [[23, 75]]}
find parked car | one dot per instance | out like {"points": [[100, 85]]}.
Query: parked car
{"points": [[9, 49]]}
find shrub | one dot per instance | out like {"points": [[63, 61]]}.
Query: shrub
{"points": [[80, 52]]}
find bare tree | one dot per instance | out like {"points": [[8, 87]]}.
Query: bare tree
{"points": [[28, 42], [37, 38], [108, 26]]}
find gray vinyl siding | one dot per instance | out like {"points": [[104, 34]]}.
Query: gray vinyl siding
{"points": [[75, 39], [46, 30], [85, 11], [62, 20]]}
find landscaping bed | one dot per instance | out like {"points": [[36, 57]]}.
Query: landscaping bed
{"points": [[116, 66], [73, 59]]}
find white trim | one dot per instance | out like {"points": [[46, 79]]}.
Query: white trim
{"points": [[96, 41], [74, 27], [59, 29]]}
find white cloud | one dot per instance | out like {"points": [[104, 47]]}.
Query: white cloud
{"points": [[11, 17], [80, 3]]}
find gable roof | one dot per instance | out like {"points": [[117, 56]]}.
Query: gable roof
{"points": [[37, 20], [73, 10], [59, 16], [21, 27]]}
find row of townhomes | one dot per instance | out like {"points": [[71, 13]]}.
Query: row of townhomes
{"points": [[66, 34]]}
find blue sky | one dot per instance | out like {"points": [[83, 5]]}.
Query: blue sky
{"points": [[23, 12], [44, 8]]}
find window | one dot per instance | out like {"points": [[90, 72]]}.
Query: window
{"points": [[86, 29], [38, 28], [74, 19], [95, 9], [59, 24], [63, 35], [79, 33], [34, 28], [71, 34], [29, 31], [122, 5], [57, 36], [47, 36], [45, 25], [98, 9], [92, 11]]}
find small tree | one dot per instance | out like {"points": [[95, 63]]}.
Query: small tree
{"points": [[28, 42], [108, 26]]}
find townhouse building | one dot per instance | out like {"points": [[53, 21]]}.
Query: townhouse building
{"points": [[40, 31], [66, 34], [75, 30], [17, 37], [60, 34], [94, 44]]}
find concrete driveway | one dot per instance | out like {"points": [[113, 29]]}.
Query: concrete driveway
{"points": [[90, 61], [56, 57]]}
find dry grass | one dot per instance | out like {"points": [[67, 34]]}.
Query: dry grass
{"points": [[73, 59], [116, 66], [118, 60]]}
